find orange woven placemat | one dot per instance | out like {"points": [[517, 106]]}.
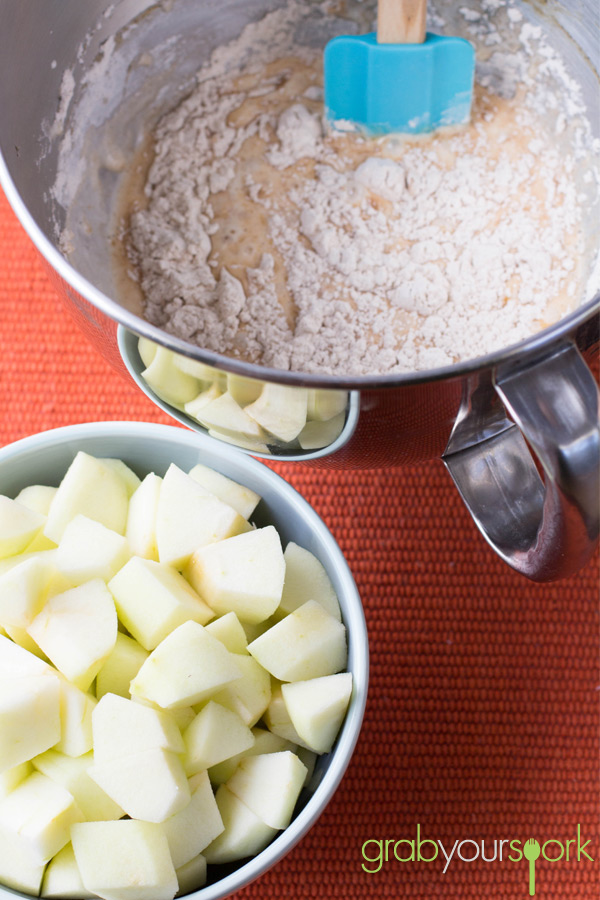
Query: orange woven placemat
{"points": [[482, 720]]}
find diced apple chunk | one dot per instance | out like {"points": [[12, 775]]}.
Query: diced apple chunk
{"points": [[130, 479], [243, 390], [15, 662], [10, 778], [278, 721], [245, 834], [76, 707], [29, 717], [121, 667], [147, 350], [315, 435], [37, 497], [124, 860], [229, 630], [306, 579], [62, 880], [197, 825], [317, 708], [264, 742], [89, 550], [306, 644], [325, 404], [73, 774], [121, 727], [269, 785], [41, 812], [214, 735], [243, 574], [141, 518], [92, 488], [191, 876], [195, 406], [241, 498], [18, 871], [189, 516], [226, 416], [249, 695], [168, 381], [152, 599], [18, 526], [187, 667], [127, 780], [280, 410], [77, 630], [23, 591]]}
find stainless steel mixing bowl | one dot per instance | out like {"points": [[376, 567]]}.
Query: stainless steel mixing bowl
{"points": [[497, 422]]}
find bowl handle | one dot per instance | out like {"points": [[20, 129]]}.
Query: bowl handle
{"points": [[545, 528]]}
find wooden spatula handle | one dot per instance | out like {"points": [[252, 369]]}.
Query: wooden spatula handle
{"points": [[401, 21]]}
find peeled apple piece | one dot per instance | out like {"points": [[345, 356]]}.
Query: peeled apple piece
{"points": [[248, 695], [187, 667], [269, 785], [317, 708], [76, 707], [242, 574], [121, 727], [18, 526], [37, 497], [23, 591], [280, 410], [77, 630], [197, 825], [41, 812], [62, 879], [149, 785], [191, 876], [225, 416], [315, 435], [306, 579], [214, 735], [130, 479], [121, 667], [152, 599], [189, 516], [73, 774], [29, 717], [168, 381], [264, 742], [17, 869], [124, 860], [89, 550], [306, 644], [92, 488], [323, 405], [141, 518], [10, 778], [244, 833], [241, 498], [229, 630]]}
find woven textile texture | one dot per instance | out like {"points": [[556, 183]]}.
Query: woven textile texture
{"points": [[482, 719]]}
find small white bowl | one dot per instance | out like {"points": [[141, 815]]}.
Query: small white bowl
{"points": [[45, 457]]}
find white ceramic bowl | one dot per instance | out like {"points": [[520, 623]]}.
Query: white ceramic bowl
{"points": [[44, 458]]}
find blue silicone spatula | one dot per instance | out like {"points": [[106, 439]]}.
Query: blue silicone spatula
{"points": [[400, 79]]}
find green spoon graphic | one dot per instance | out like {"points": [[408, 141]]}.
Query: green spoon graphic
{"points": [[531, 851]]}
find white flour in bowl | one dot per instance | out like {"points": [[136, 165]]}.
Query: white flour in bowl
{"points": [[265, 237]]}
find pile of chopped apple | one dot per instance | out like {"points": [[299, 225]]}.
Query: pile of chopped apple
{"points": [[246, 411], [167, 676]]}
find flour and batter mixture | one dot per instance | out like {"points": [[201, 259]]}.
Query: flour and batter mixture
{"points": [[265, 236]]}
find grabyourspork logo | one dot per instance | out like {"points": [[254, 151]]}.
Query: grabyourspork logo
{"points": [[377, 853]]}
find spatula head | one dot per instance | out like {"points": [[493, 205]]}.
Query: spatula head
{"points": [[409, 88]]}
